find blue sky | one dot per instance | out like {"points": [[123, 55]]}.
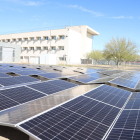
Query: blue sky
{"points": [[109, 17]]}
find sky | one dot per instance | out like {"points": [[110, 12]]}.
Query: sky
{"points": [[111, 18]]}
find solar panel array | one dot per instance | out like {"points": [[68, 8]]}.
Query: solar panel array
{"points": [[103, 113], [82, 118]]}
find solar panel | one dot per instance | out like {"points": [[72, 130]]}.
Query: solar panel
{"points": [[81, 118], [24, 79], [134, 101], [5, 102], [4, 75], [21, 94], [124, 82], [9, 81], [127, 126], [83, 78], [110, 95], [46, 88], [52, 75], [97, 75], [62, 84], [52, 86], [28, 72]]}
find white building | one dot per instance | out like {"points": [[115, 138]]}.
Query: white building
{"points": [[63, 46]]}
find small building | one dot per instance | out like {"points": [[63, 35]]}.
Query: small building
{"points": [[9, 53], [69, 44]]}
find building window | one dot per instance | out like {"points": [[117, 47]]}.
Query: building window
{"points": [[19, 39], [21, 57], [14, 40], [54, 37], [38, 48], [8, 40], [46, 38], [61, 47], [26, 39], [31, 48], [3, 40], [53, 48], [25, 48], [38, 38], [62, 59], [45, 48], [32, 38], [62, 37]]}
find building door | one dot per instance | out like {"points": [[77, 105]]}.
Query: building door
{"points": [[34, 60], [26, 59], [7, 55]]}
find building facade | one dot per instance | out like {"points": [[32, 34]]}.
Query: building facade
{"points": [[9, 53], [64, 46]]}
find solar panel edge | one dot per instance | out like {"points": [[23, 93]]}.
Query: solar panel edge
{"points": [[114, 122]]}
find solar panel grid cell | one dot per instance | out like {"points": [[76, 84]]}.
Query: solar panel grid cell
{"points": [[127, 126]]}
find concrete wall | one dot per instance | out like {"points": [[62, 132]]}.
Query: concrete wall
{"points": [[74, 48]]}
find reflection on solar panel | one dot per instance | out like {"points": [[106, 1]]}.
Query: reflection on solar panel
{"points": [[134, 101], [110, 95], [127, 127], [4, 75], [124, 82], [83, 78], [62, 84], [21, 94], [52, 75], [52, 86], [97, 75], [28, 72]]}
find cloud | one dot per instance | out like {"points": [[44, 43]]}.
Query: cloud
{"points": [[122, 17], [34, 19], [96, 14], [26, 2]]}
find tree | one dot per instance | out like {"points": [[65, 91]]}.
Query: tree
{"points": [[121, 49], [106, 56], [96, 55]]}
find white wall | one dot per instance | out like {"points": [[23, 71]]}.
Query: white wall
{"points": [[74, 47], [88, 46]]}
